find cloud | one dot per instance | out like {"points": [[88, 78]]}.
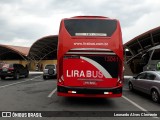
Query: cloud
{"points": [[20, 42], [145, 23], [29, 20]]}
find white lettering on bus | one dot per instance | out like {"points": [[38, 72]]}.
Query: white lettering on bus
{"points": [[76, 73], [88, 73], [81, 73], [68, 74]]}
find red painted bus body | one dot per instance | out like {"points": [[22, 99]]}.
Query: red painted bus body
{"points": [[90, 57]]}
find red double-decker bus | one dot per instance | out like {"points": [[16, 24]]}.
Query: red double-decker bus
{"points": [[90, 57]]}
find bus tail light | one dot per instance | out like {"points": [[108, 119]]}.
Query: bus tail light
{"points": [[61, 80], [73, 92], [119, 82], [108, 93]]}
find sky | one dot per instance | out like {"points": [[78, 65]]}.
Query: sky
{"points": [[22, 22]]}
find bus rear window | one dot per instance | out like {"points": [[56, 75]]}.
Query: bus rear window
{"points": [[90, 27]]}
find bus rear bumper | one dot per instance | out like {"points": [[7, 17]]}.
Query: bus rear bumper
{"points": [[89, 92]]}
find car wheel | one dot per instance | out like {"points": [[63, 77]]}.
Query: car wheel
{"points": [[155, 96], [3, 78], [26, 76], [17, 76], [44, 77], [130, 87]]}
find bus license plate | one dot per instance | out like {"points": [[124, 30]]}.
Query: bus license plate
{"points": [[90, 83]]}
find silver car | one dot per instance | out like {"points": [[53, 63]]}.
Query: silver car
{"points": [[147, 82], [49, 71]]}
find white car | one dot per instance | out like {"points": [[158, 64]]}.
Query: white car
{"points": [[49, 71]]}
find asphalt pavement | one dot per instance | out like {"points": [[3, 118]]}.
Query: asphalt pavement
{"points": [[34, 94]]}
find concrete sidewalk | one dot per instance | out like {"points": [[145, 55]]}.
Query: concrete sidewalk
{"points": [[35, 72]]}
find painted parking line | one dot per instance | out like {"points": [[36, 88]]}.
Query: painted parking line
{"points": [[50, 95], [130, 101], [138, 106], [125, 89], [19, 82]]}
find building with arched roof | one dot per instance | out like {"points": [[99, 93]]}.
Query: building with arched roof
{"points": [[136, 47], [13, 50], [13, 54], [42, 52]]}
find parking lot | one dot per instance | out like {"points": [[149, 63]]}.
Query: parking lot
{"points": [[36, 94]]}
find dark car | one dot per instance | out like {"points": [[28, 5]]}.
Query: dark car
{"points": [[13, 70], [147, 82], [49, 71]]}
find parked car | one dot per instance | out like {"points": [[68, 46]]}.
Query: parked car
{"points": [[147, 82], [13, 70], [49, 71]]}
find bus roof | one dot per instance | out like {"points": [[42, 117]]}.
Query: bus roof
{"points": [[90, 17]]}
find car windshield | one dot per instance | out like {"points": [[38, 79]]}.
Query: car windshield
{"points": [[50, 67]]}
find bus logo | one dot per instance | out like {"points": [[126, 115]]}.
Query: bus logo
{"points": [[84, 74]]}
